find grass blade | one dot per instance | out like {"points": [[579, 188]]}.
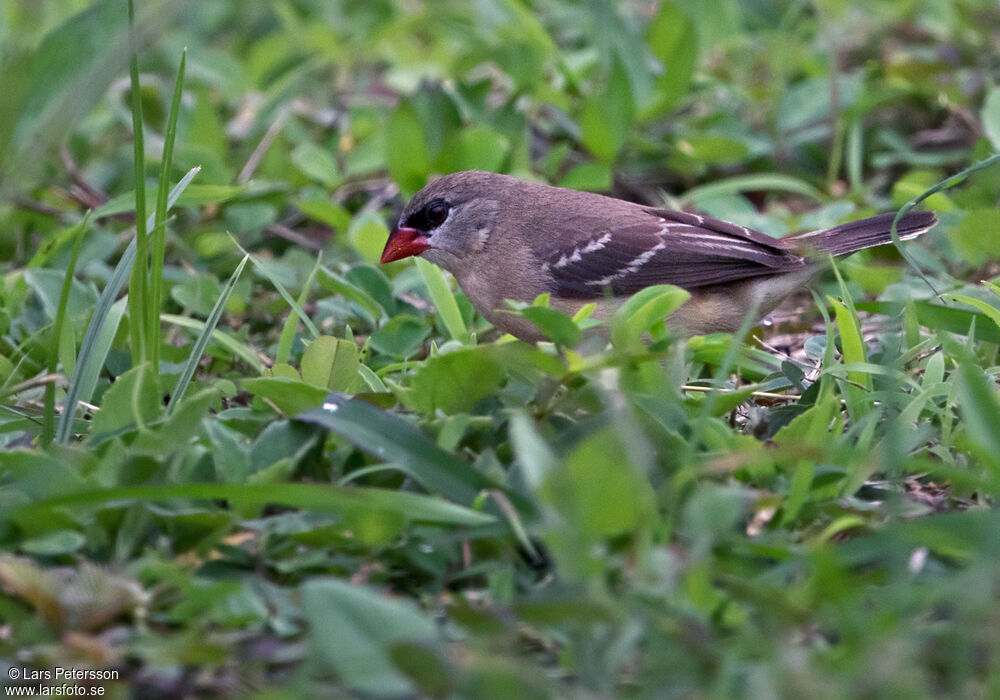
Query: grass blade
{"points": [[745, 183], [262, 269], [160, 221], [92, 352], [137, 286], [284, 351], [393, 439], [206, 333], [444, 300], [855, 155], [224, 339], [942, 185], [317, 497], [991, 311], [48, 422], [937, 317]]}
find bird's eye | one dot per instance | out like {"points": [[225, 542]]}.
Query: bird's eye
{"points": [[437, 213]]}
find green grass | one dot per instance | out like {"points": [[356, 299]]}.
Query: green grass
{"points": [[320, 476]]}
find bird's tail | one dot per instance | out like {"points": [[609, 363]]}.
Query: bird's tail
{"points": [[867, 233]]}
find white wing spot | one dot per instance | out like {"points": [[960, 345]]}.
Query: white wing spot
{"points": [[633, 266], [577, 253], [331, 407], [597, 245], [644, 258]]}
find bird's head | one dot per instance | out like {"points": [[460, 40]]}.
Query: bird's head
{"points": [[449, 219]]}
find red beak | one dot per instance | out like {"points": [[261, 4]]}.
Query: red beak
{"points": [[404, 242]]}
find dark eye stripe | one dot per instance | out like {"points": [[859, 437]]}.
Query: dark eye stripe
{"points": [[430, 216], [437, 214]]}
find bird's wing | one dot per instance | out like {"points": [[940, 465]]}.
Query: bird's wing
{"points": [[667, 248]]}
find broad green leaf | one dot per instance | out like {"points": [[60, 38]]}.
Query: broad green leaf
{"points": [[368, 233], [554, 325], [454, 382], [980, 407], [284, 439], [316, 163], [808, 100], [133, 400], [593, 177], [354, 629], [672, 38], [175, 433], [709, 150], [480, 148], [977, 236], [292, 396], [619, 43], [534, 456], [717, 22], [283, 370], [331, 363], [230, 452], [643, 309], [47, 285], [991, 117], [54, 543], [401, 336], [197, 293], [406, 150], [915, 184], [597, 490], [712, 514], [608, 116], [317, 206]]}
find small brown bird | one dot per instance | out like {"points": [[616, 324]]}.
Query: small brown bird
{"points": [[506, 238]]}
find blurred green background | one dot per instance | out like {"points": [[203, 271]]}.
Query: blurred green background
{"points": [[806, 515]]}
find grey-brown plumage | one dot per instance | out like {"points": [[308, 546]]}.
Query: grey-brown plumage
{"points": [[506, 238]]}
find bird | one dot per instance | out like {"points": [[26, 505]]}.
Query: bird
{"points": [[505, 238]]}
